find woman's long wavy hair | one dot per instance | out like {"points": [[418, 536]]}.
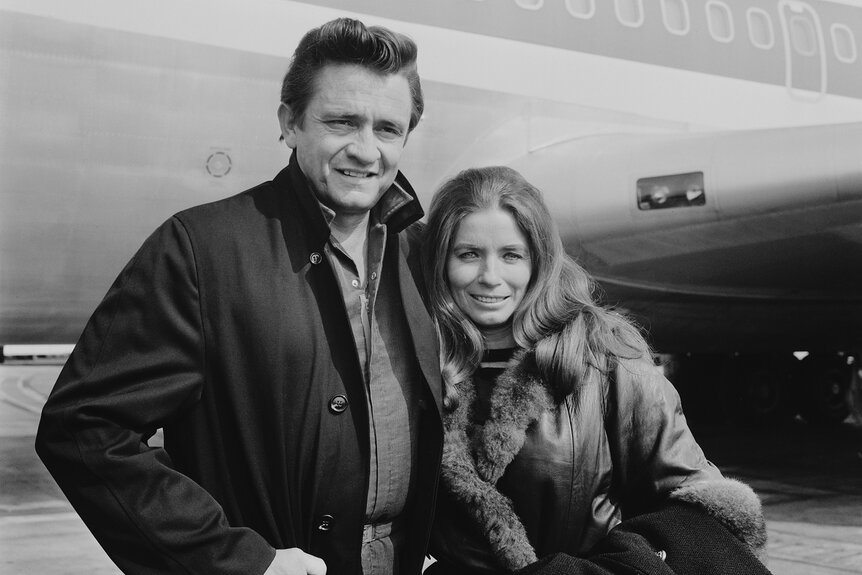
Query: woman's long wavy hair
{"points": [[558, 320]]}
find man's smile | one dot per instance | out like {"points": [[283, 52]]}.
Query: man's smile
{"points": [[356, 173]]}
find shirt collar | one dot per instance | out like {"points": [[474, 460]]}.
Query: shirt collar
{"points": [[395, 198], [293, 182]]}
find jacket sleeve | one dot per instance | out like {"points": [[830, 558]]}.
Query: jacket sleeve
{"points": [[138, 364], [653, 449], [731, 503]]}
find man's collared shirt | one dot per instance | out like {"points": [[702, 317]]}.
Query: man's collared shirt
{"points": [[390, 372]]}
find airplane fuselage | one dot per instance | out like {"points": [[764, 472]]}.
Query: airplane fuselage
{"points": [[112, 121]]}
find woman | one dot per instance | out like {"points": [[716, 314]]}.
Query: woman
{"points": [[557, 423]]}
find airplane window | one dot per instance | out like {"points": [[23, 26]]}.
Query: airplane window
{"points": [[843, 43], [720, 21], [802, 36], [760, 28], [673, 191], [530, 4], [581, 8], [630, 12], [675, 16]]}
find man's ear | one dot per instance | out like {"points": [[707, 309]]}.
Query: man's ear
{"points": [[288, 125]]}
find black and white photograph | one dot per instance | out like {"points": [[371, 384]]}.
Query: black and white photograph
{"points": [[440, 287]]}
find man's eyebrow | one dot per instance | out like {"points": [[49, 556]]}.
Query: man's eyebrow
{"points": [[395, 123], [341, 114]]}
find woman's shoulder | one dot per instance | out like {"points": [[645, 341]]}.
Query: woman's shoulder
{"points": [[638, 381]]}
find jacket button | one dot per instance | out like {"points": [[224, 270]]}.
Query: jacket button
{"points": [[325, 523], [315, 258], [338, 404]]}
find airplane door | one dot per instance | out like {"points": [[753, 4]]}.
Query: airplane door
{"points": [[804, 50]]}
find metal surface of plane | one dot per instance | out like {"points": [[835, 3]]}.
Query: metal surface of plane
{"points": [[702, 156]]}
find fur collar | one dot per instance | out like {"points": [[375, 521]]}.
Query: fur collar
{"points": [[475, 457]]}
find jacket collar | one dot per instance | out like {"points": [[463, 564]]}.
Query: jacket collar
{"points": [[421, 327], [392, 200], [399, 206], [518, 399], [475, 457]]}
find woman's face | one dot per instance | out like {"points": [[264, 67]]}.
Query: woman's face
{"points": [[489, 267]]}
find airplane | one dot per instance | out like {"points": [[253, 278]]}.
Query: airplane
{"points": [[703, 157]]}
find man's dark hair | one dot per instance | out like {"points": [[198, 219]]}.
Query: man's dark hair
{"points": [[349, 41]]}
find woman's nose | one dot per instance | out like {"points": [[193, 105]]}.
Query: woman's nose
{"points": [[489, 274]]}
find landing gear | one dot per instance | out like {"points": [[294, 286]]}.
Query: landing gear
{"points": [[824, 391], [765, 388], [760, 388]]}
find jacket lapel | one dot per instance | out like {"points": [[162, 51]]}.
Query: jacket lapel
{"points": [[518, 399], [421, 328], [475, 457]]}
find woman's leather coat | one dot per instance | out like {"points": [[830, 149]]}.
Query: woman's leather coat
{"points": [[583, 467]]}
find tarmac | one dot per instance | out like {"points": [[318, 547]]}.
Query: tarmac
{"points": [[809, 480]]}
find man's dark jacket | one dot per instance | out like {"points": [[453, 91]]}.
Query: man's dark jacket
{"points": [[228, 330]]}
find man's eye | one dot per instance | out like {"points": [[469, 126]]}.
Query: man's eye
{"points": [[390, 131]]}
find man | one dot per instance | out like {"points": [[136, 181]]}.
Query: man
{"points": [[279, 339]]}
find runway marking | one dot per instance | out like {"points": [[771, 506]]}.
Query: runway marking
{"points": [[19, 384], [41, 518], [24, 507], [28, 390], [855, 570], [817, 551]]}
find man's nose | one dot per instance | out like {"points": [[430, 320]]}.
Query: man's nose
{"points": [[364, 146]]}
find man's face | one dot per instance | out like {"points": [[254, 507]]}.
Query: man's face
{"points": [[351, 136]]}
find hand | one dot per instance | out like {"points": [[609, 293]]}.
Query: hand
{"points": [[295, 561]]}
